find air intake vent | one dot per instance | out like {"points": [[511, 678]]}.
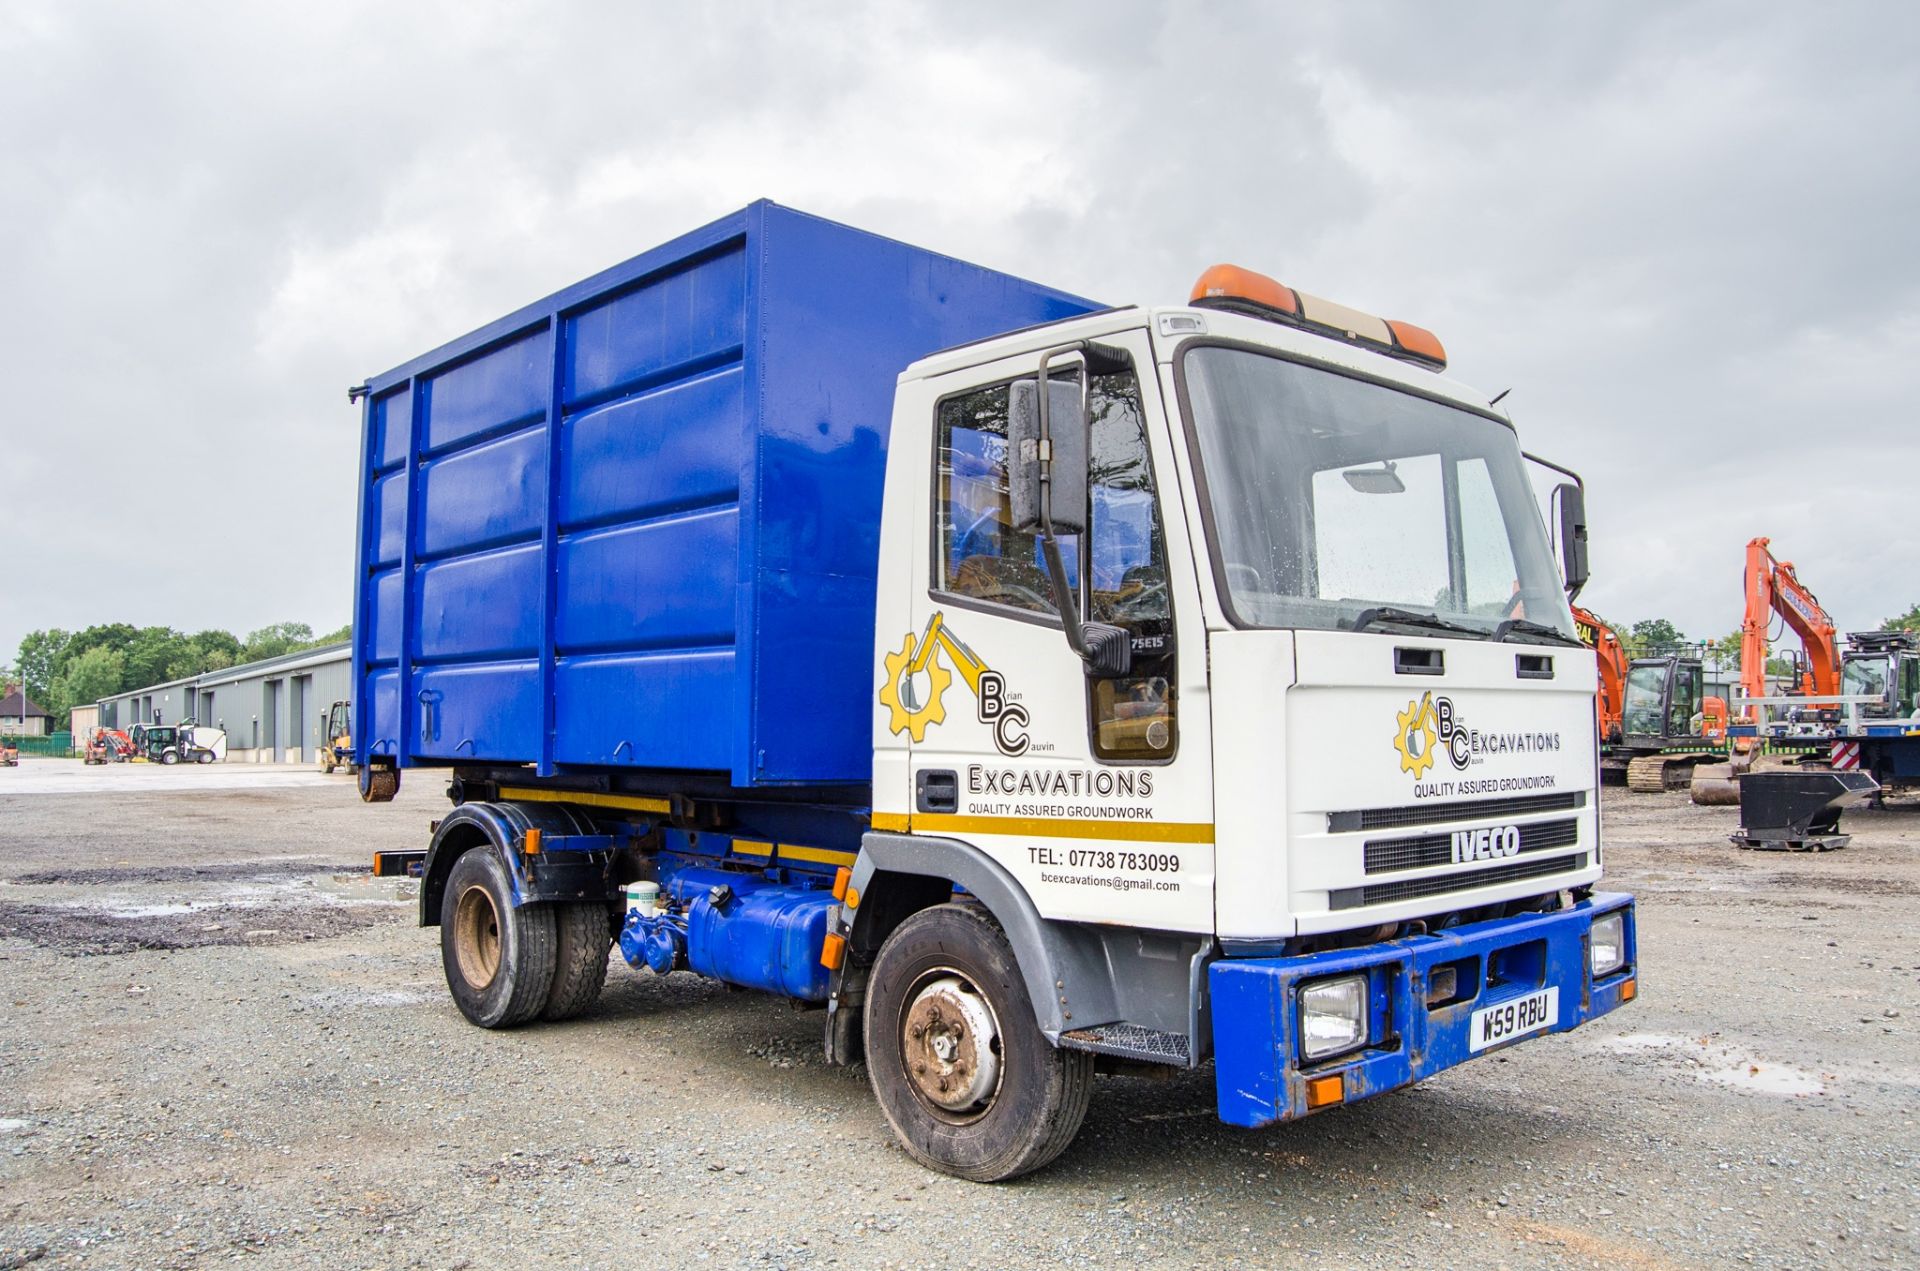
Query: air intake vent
{"points": [[1387, 855], [1455, 810]]}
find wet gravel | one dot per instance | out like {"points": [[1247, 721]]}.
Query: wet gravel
{"points": [[317, 1101]]}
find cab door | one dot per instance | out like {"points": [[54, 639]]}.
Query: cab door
{"points": [[1095, 793]]}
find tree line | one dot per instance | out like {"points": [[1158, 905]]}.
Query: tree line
{"points": [[1651, 636], [65, 669]]}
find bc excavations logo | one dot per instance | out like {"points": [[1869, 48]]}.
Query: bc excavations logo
{"points": [[1426, 727], [917, 682]]}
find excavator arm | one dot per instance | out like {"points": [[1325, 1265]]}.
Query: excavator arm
{"points": [[1612, 657], [1774, 587]]}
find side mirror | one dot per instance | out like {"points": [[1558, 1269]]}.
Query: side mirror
{"points": [[1571, 503], [1047, 456]]}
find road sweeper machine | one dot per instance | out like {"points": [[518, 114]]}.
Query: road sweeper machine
{"points": [[1039, 689]]}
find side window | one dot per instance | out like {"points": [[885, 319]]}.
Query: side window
{"points": [[979, 554], [1120, 578]]}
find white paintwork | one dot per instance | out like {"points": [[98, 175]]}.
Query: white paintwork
{"points": [[1277, 728]]}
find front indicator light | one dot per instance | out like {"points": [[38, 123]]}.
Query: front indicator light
{"points": [[1333, 1016], [1607, 945], [1324, 1091]]}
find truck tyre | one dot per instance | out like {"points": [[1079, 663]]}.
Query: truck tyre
{"points": [[326, 762], [499, 959], [968, 1082], [582, 941]]}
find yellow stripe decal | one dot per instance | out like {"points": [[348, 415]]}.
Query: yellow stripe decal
{"points": [[1063, 828], [628, 802], [819, 855], [891, 822], [748, 847]]}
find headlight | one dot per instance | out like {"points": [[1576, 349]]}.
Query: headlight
{"points": [[1333, 1016], [1607, 944]]}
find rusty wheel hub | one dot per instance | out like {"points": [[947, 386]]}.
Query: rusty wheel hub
{"points": [[476, 937], [951, 1043]]}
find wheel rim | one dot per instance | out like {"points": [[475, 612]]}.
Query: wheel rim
{"points": [[950, 1046], [476, 937]]}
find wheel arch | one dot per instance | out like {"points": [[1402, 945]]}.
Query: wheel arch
{"points": [[1066, 973], [501, 825]]}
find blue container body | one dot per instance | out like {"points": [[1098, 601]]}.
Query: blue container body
{"points": [[1259, 1076], [635, 525]]}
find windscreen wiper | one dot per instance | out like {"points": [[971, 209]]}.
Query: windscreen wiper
{"points": [[1540, 632], [1408, 618]]}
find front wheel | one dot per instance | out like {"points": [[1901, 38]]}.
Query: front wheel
{"points": [[499, 959], [968, 1082], [205, 756], [169, 757]]}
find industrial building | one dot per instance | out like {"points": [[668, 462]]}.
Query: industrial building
{"points": [[273, 710]]}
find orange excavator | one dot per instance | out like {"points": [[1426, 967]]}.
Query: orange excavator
{"points": [[1773, 587], [1612, 656]]}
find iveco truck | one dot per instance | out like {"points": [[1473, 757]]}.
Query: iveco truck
{"points": [[1038, 688]]}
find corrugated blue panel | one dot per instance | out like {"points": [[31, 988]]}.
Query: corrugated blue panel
{"points": [[388, 514], [507, 386], [679, 446], [668, 710], [724, 403], [484, 711], [470, 606], [378, 728], [383, 619], [392, 428], [685, 317], [654, 585], [489, 494]]}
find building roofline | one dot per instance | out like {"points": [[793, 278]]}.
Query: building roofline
{"points": [[246, 670]]}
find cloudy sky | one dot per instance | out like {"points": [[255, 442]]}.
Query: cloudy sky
{"points": [[1687, 237]]}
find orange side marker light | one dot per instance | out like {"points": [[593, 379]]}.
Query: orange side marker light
{"points": [[1324, 1091], [833, 951]]}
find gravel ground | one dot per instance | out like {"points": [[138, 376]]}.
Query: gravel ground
{"points": [[222, 1040]]}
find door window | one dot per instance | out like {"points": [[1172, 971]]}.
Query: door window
{"points": [[1118, 577]]}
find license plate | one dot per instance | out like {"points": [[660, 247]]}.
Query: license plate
{"points": [[1491, 1025]]}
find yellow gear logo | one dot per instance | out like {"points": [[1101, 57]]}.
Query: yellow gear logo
{"points": [[1418, 737], [905, 712]]}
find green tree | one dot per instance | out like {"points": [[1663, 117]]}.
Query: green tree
{"points": [[1652, 635], [1908, 621], [42, 654], [1726, 649], [96, 673], [278, 639]]}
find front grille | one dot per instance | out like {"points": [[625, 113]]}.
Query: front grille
{"points": [[1454, 810], [1386, 855], [1413, 888]]}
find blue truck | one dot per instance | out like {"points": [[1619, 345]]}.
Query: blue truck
{"points": [[1039, 688]]}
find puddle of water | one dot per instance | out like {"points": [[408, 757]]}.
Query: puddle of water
{"points": [[1721, 1065]]}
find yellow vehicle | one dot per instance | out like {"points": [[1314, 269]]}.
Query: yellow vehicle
{"points": [[336, 743]]}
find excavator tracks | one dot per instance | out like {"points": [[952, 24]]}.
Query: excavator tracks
{"points": [[1658, 774]]}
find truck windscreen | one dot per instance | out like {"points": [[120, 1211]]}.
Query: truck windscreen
{"points": [[1330, 496]]}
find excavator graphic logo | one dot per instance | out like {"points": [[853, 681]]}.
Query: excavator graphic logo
{"points": [[917, 682], [1419, 736]]}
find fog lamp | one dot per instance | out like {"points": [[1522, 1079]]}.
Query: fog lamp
{"points": [[1333, 1016]]}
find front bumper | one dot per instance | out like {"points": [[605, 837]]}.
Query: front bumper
{"points": [[1261, 1078]]}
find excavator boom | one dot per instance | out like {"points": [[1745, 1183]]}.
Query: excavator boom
{"points": [[1612, 657], [1774, 587]]}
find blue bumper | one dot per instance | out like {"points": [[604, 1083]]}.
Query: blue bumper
{"points": [[1261, 1077]]}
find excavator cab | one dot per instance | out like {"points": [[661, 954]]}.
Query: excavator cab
{"points": [[1664, 701], [1885, 665]]}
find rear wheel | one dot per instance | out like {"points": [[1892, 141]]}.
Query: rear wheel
{"points": [[961, 1070], [582, 941], [204, 756], [169, 756], [499, 959]]}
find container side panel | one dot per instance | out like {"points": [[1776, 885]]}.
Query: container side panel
{"points": [[389, 496], [671, 322], [678, 446], [485, 711], [485, 495], [658, 585], [645, 710], [392, 429], [477, 606], [380, 716], [383, 641], [501, 389]]}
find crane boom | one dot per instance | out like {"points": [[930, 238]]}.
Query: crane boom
{"points": [[1774, 587]]}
